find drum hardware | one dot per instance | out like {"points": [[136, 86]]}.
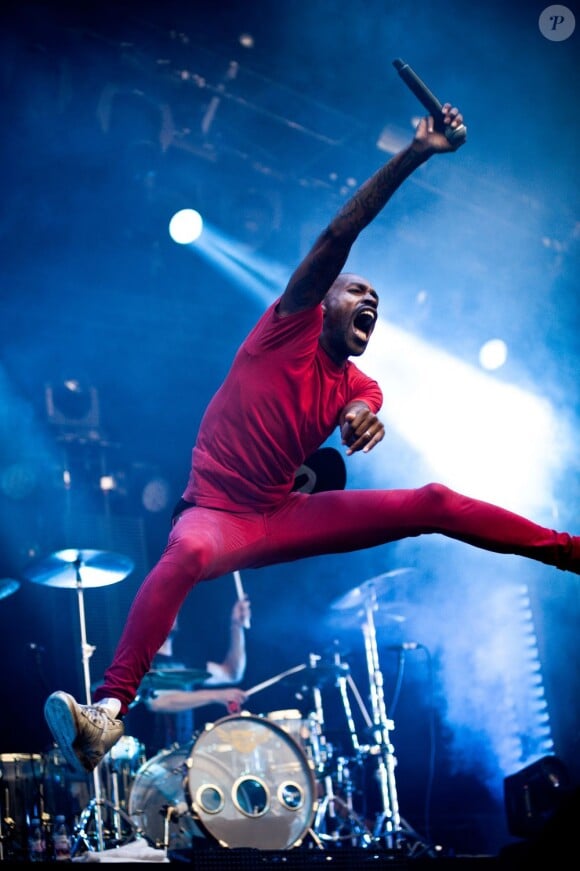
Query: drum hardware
{"points": [[117, 769], [335, 819], [251, 781], [116, 807], [312, 678], [110, 818], [94, 813], [322, 750], [309, 733], [389, 820], [389, 827], [82, 569], [171, 814], [359, 834]]}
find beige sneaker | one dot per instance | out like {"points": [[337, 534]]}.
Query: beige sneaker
{"points": [[84, 733]]}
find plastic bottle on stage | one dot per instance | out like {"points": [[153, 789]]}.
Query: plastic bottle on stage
{"points": [[61, 840], [36, 841]]}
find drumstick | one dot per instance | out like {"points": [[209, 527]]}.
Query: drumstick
{"points": [[273, 680], [241, 595]]}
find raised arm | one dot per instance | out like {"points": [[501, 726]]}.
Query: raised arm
{"points": [[324, 262], [232, 669]]}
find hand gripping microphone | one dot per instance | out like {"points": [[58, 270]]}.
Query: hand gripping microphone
{"points": [[455, 135]]}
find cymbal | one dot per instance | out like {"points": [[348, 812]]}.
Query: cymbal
{"points": [[374, 587], [7, 587], [96, 568], [385, 615], [173, 678]]}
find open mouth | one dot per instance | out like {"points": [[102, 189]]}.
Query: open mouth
{"points": [[364, 323]]}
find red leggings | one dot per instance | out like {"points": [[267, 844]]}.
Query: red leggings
{"points": [[206, 544]]}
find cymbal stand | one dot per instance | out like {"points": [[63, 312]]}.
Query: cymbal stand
{"points": [[94, 808], [389, 821], [323, 751], [360, 835], [344, 681], [87, 651], [320, 749], [116, 803]]}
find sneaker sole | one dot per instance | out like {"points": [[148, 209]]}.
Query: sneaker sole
{"points": [[60, 718]]}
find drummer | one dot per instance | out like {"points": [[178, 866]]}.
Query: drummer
{"points": [[172, 705]]}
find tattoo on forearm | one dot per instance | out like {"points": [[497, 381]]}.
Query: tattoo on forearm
{"points": [[374, 194]]}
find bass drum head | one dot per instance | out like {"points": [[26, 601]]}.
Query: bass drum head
{"points": [[159, 788], [249, 784]]}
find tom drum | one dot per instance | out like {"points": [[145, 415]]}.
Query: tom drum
{"points": [[157, 800]]}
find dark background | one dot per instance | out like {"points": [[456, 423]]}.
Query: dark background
{"points": [[109, 127]]}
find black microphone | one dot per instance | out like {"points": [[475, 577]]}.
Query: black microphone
{"points": [[455, 135]]}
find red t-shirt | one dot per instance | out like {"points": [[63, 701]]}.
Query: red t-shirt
{"points": [[280, 401]]}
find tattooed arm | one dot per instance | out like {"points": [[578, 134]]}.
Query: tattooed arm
{"points": [[323, 263]]}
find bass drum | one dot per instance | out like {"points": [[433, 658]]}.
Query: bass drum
{"points": [[249, 784], [157, 800]]}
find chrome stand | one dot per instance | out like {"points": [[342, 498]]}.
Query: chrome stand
{"points": [[77, 569], [335, 820], [87, 651], [390, 828], [389, 821], [116, 806], [94, 810]]}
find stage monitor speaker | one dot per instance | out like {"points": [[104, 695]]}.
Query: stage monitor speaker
{"points": [[534, 794]]}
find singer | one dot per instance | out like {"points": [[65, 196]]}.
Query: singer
{"points": [[292, 383]]}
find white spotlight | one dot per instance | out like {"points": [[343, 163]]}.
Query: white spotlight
{"points": [[493, 354], [185, 226]]}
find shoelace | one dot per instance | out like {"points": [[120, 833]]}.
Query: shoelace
{"points": [[97, 716]]}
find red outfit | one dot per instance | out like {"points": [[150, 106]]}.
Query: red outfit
{"points": [[281, 400]]}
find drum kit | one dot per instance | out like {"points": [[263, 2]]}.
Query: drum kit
{"points": [[267, 781]]}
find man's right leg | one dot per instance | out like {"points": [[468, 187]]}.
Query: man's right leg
{"points": [[203, 544], [85, 733]]}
